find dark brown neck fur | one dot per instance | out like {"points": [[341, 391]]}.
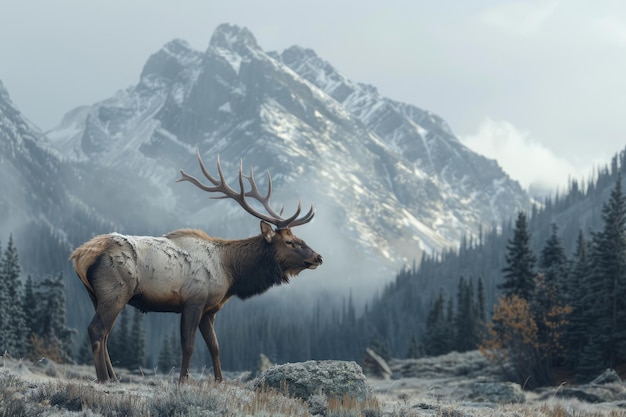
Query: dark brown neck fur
{"points": [[253, 266]]}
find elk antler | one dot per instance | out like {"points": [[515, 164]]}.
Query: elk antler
{"points": [[221, 186]]}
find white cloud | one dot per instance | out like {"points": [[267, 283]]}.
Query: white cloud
{"points": [[519, 18], [522, 157], [611, 29]]}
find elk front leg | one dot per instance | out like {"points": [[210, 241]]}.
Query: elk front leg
{"points": [[208, 334], [188, 324]]}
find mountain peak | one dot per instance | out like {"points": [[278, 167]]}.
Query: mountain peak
{"points": [[232, 37], [170, 60], [4, 94], [297, 53]]}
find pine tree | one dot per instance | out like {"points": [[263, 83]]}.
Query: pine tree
{"points": [[52, 324], [465, 321], [167, 357], [29, 306], [119, 341], [480, 315], [607, 306], [439, 334], [85, 354], [416, 350], [136, 355], [481, 302], [4, 316], [553, 262], [520, 262], [14, 337], [590, 360], [579, 323], [378, 345], [549, 296]]}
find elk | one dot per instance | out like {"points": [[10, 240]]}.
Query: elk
{"points": [[188, 272]]}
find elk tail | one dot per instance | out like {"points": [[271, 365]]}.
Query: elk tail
{"points": [[85, 255]]}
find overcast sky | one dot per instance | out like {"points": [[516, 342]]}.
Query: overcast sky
{"points": [[538, 85]]}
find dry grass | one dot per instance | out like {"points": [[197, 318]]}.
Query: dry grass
{"points": [[165, 399], [26, 391]]}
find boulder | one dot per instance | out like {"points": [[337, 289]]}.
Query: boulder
{"points": [[497, 392], [305, 379]]}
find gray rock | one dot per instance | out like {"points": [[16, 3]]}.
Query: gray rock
{"points": [[497, 392], [592, 396], [468, 364], [304, 379], [591, 393]]}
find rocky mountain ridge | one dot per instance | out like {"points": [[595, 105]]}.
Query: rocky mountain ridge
{"points": [[388, 178]]}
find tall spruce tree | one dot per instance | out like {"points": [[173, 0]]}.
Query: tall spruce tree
{"points": [[85, 354], [14, 335], [4, 316], [168, 357], [416, 350], [29, 306], [481, 313], [439, 333], [465, 320], [481, 301], [553, 262], [607, 305], [136, 355], [579, 324], [118, 341], [550, 293], [519, 272], [52, 324]]}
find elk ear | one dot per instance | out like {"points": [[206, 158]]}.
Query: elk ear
{"points": [[267, 231]]}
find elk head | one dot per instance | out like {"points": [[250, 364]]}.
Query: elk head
{"points": [[292, 252]]}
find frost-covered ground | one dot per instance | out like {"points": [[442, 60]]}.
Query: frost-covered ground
{"points": [[445, 386], [469, 385]]}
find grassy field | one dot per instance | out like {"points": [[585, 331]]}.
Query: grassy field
{"points": [[48, 389]]}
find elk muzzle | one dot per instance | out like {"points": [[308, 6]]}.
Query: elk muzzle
{"points": [[315, 261]]}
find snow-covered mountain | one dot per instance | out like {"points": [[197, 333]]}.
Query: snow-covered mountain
{"points": [[33, 179], [387, 178], [47, 200]]}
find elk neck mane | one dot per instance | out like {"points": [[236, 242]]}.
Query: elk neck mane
{"points": [[253, 266]]}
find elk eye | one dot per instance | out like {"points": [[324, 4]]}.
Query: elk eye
{"points": [[289, 242]]}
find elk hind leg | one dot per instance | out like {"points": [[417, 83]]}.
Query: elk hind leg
{"points": [[99, 330], [99, 336]]}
